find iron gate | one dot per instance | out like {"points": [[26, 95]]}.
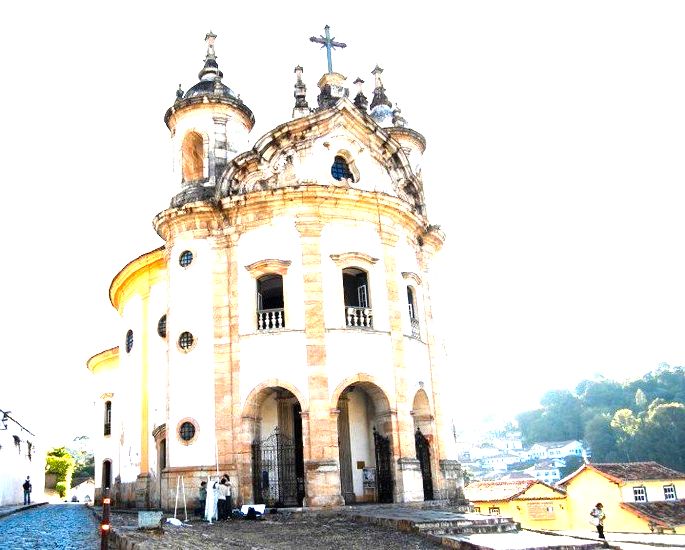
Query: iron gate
{"points": [[274, 473], [423, 453], [384, 484]]}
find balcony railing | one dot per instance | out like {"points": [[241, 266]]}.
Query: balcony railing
{"points": [[359, 317], [415, 329], [270, 319]]}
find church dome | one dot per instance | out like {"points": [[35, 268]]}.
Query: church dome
{"points": [[210, 87]]}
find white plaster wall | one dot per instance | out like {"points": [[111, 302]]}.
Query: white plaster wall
{"points": [[342, 237], [351, 352], [315, 162], [269, 414], [278, 241], [15, 466], [281, 355], [417, 368], [107, 447], [654, 494], [191, 374], [128, 408], [361, 436], [157, 367]]}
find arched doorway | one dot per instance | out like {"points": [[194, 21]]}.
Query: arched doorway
{"points": [[277, 452], [365, 444], [422, 439]]}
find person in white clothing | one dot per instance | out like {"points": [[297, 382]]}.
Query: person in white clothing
{"points": [[211, 506]]}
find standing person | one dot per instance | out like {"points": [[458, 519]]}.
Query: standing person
{"points": [[203, 497], [211, 504], [27, 490], [223, 491], [597, 518], [229, 499]]}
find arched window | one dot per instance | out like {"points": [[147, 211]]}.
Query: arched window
{"points": [[270, 305], [108, 418], [411, 303], [356, 294], [162, 454], [340, 169], [106, 474], [192, 157]]}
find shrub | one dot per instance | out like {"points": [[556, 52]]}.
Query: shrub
{"points": [[61, 488]]}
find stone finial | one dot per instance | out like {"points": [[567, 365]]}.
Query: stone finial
{"points": [[210, 71], [379, 97], [301, 105], [381, 106], [377, 72], [210, 37], [360, 99], [397, 118]]}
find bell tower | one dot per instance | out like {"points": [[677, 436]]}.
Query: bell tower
{"points": [[209, 126]]}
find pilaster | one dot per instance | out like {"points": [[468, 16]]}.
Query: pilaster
{"points": [[322, 471]]}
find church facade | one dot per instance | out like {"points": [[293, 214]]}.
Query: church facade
{"points": [[283, 333]]}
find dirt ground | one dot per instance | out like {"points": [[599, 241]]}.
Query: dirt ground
{"points": [[302, 531]]}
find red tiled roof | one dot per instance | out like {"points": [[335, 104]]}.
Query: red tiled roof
{"points": [[502, 490], [636, 471], [668, 513], [619, 472]]}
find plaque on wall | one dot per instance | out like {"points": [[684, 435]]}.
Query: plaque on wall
{"points": [[369, 478]]}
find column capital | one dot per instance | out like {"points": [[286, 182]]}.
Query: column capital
{"points": [[388, 238], [308, 226]]}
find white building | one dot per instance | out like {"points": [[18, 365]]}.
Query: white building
{"points": [[283, 332], [20, 456]]}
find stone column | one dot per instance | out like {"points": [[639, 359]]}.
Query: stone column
{"points": [[321, 462], [220, 145], [226, 352], [345, 451], [408, 480]]}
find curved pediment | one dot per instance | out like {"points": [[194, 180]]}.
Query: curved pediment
{"points": [[303, 151]]}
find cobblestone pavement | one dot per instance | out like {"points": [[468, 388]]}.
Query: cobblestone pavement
{"points": [[303, 531], [51, 527]]}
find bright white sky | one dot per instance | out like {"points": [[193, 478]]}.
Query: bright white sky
{"points": [[555, 132]]}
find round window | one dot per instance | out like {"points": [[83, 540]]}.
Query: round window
{"points": [[187, 431], [185, 258], [161, 326], [185, 341], [129, 341]]}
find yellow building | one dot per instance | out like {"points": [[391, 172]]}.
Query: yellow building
{"points": [[532, 503], [638, 497]]}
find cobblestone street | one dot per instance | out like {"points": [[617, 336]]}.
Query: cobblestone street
{"points": [[310, 531], [51, 527]]}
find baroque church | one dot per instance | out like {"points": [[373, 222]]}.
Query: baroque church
{"points": [[283, 333]]}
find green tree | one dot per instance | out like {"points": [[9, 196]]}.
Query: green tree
{"points": [[60, 463], [662, 434], [601, 439], [626, 427], [573, 462]]}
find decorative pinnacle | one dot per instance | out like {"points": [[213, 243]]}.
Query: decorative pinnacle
{"points": [[360, 99], [377, 72], [210, 37]]}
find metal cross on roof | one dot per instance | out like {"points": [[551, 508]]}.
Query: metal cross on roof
{"points": [[328, 43]]}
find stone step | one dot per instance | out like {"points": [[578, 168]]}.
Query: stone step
{"points": [[521, 540]]}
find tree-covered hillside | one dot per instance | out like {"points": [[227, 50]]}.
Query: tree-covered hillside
{"points": [[621, 422]]}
